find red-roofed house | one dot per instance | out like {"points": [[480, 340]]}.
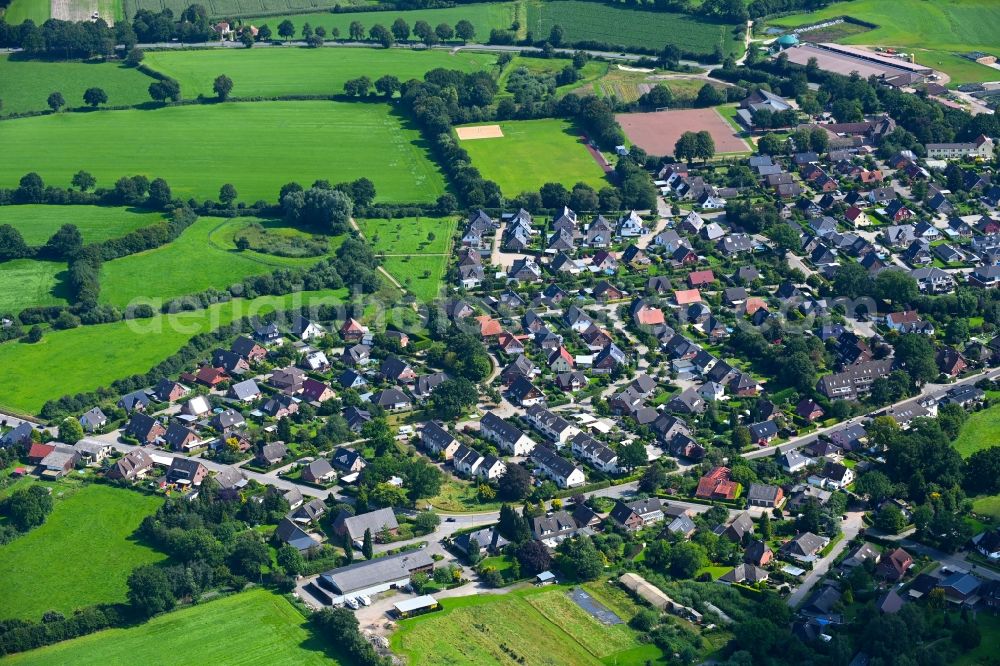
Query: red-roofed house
{"points": [[753, 304], [856, 216], [488, 327], [647, 315], [210, 376], [352, 331], [687, 296], [717, 484], [38, 451], [700, 278]]}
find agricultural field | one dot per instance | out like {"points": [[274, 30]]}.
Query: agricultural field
{"points": [[90, 519], [483, 17], [582, 20], [532, 153], [255, 627], [37, 222], [290, 141], [531, 626], [301, 71], [28, 283], [235, 8], [25, 85], [204, 256], [979, 432], [20, 11], [92, 356], [935, 30]]}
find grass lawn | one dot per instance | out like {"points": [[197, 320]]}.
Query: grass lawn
{"points": [[85, 358], [989, 627], [409, 235], [89, 532], [484, 17], [979, 432], [421, 275], [616, 25], [25, 85], [204, 256], [457, 497], [532, 153], [257, 147], [19, 11], [988, 506], [254, 627], [715, 572], [37, 222], [298, 71], [29, 283], [534, 626], [930, 27]]}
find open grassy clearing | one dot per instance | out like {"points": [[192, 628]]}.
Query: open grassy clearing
{"points": [[28, 283], [988, 506], [422, 275], [484, 17], [532, 153], [254, 627], [37, 222], [592, 71], [927, 26], [20, 11], [409, 235], [84, 358], [302, 71], [25, 85], [979, 432], [613, 24], [204, 256], [82, 554], [257, 147], [471, 630]]}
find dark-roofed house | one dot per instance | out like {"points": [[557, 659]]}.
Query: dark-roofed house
{"points": [[319, 471], [804, 547], [136, 401], [133, 465], [346, 461], [167, 390], [636, 515], [227, 421], [480, 542], [186, 472], [822, 601], [144, 428], [290, 533], [19, 436], [553, 527], [736, 530], [758, 553], [744, 573], [508, 437], [765, 495], [181, 438], [438, 441], [356, 418], [552, 465], [894, 565], [392, 400], [960, 587], [271, 454]]}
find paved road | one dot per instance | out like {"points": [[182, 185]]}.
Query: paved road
{"points": [[850, 527], [936, 390]]}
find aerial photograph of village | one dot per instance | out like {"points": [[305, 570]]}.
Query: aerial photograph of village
{"points": [[499, 332]]}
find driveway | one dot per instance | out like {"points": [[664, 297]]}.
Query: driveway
{"points": [[850, 527]]}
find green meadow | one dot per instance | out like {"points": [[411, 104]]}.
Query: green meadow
{"points": [[82, 554], [20, 11], [301, 71], [25, 85], [422, 275], [409, 235], [37, 222], [979, 431], [85, 358], [532, 153], [257, 147], [483, 16], [535, 627], [935, 30], [204, 256], [253, 627], [28, 283]]}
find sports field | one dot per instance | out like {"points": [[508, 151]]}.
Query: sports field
{"points": [[253, 627], [582, 20], [257, 147], [295, 71], [979, 432], [532, 627], [28, 283], [532, 153], [84, 358], [657, 132], [37, 222], [204, 256], [933, 29], [25, 85], [80, 556], [483, 16]]}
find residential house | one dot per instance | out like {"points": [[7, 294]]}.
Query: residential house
{"points": [[804, 547], [93, 420], [639, 514], [508, 437], [375, 522], [717, 484], [438, 441], [894, 565], [319, 471], [245, 391], [563, 472], [132, 466], [186, 472], [347, 461], [181, 438], [271, 454], [768, 496], [392, 400], [144, 428]]}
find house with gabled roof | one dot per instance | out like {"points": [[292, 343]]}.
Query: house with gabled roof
{"points": [[508, 437], [563, 472], [144, 428]]}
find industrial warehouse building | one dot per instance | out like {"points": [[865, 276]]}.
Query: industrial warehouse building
{"points": [[371, 576]]}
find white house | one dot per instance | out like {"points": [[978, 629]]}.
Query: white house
{"points": [[505, 435], [553, 466], [551, 425]]}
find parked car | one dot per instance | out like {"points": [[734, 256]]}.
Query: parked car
{"points": [[353, 604]]}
